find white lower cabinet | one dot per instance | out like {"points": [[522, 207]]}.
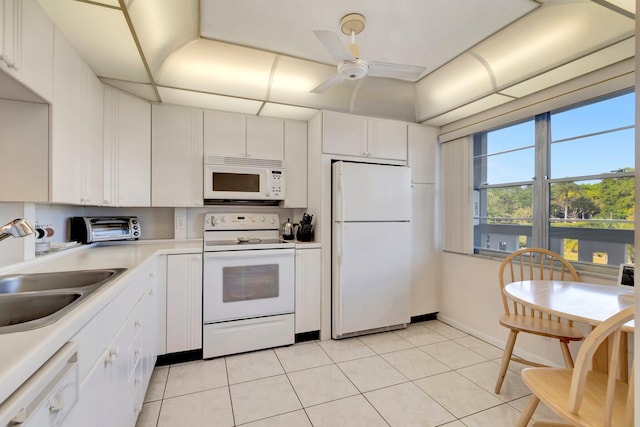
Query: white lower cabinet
{"points": [[184, 302], [423, 251], [308, 289], [113, 389]]}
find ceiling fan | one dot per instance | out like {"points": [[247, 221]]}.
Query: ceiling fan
{"points": [[350, 65]]}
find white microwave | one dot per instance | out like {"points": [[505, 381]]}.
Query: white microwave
{"points": [[228, 178]]}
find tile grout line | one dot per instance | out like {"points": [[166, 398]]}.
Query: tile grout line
{"points": [[359, 392]]}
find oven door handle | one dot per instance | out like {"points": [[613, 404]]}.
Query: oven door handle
{"points": [[262, 253]]}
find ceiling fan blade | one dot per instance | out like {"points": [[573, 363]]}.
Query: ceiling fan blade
{"points": [[329, 83], [395, 71], [333, 44]]}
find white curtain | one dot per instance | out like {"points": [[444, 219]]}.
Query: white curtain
{"points": [[457, 206]]}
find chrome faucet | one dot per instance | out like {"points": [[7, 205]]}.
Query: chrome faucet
{"points": [[16, 228]]}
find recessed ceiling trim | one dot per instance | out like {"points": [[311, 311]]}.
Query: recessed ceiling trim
{"points": [[95, 3], [230, 96], [127, 18], [487, 67], [274, 66], [615, 8]]}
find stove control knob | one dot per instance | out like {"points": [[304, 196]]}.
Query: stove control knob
{"points": [[272, 221], [261, 219], [223, 219]]}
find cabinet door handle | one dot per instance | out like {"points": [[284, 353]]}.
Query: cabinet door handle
{"points": [[113, 354]]}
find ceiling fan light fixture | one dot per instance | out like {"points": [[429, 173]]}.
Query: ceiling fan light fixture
{"points": [[353, 69]]}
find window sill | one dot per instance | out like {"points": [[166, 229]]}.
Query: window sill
{"points": [[608, 272]]}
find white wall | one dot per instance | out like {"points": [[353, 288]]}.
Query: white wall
{"points": [[469, 298]]}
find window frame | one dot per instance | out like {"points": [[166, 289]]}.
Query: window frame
{"points": [[541, 181]]}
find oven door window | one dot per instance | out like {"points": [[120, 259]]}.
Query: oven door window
{"points": [[251, 282]]}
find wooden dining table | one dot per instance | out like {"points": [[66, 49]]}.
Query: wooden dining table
{"points": [[577, 301]]}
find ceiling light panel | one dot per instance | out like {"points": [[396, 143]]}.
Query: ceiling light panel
{"points": [[209, 101], [163, 26], [551, 36], [219, 68], [101, 36], [611, 55], [455, 84], [287, 111]]}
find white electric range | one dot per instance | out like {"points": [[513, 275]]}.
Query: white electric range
{"points": [[248, 284]]}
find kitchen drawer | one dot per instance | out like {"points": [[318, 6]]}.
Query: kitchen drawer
{"points": [[87, 340], [115, 314], [134, 352], [137, 387]]}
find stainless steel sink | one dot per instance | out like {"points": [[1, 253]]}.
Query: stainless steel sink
{"points": [[29, 301], [55, 280]]}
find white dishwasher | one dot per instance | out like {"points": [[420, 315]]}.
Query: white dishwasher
{"points": [[48, 395]]}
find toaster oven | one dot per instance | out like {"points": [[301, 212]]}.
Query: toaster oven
{"points": [[85, 229]]}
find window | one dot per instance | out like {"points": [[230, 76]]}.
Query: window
{"points": [[563, 180]]}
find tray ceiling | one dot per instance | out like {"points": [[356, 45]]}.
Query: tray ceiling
{"points": [[262, 57]]}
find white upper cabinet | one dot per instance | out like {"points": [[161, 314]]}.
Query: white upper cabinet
{"points": [[387, 139], [423, 144], [349, 135], [37, 49], [265, 138], [24, 132], [225, 134], [344, 134], [127, 150], [295, 163], [26, 45], [76, 175], [235, 135], [176, 156]]}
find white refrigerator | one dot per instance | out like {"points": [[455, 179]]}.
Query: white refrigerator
{"points": [[371, 247]]}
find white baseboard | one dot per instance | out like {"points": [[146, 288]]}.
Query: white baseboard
{"points": [[494, 341]]}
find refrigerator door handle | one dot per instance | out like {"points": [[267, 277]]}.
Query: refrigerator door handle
{"points": [[340, 198], [339, 232], [338, 235]]}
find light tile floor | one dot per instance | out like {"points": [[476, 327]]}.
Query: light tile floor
{"points": [[429, 374]]}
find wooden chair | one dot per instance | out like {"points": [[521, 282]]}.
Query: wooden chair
{"points": [[580, 396], [520, 265]]}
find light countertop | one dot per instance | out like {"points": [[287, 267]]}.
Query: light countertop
{"points": [[22, 353]]}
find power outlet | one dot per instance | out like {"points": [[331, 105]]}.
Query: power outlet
{"points": [[180, 222]]}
